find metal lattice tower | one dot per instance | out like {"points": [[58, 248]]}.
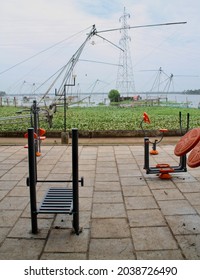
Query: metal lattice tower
{"points": [[125, 79]]}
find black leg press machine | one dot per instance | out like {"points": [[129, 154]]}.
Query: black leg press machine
{"points": [[57, 200]]}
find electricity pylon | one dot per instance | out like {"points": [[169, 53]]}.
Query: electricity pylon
{"points": [[125, 79]]}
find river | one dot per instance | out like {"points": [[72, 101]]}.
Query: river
{"points": [[173, 99]]}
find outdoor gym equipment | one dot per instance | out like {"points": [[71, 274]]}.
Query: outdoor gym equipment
{"points": [[190, 141], [162, 131], [57, 200]]}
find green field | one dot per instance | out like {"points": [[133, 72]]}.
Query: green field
{"points": [[105, 118]]}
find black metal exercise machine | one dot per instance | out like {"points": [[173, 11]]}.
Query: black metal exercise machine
{"points": [[189, 142], [57, 200]]}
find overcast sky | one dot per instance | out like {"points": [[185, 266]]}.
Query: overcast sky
{"points": [[28, 27]]}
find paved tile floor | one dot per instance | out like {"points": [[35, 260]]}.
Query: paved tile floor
{"points": [[124, 213]]}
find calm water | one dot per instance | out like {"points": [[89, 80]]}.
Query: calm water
{"points": [[192, 101]]}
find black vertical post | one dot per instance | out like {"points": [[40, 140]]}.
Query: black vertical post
{"points": [[75, 180], [188, 122], [180, 123], [146, 154], [65, 110], [183, 163], [32, 179], [35, 123]]}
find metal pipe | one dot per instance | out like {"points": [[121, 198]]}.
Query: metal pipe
{"points": [[32, 179], [146, 154], [75, 180], [188, 122], [59, 181]]}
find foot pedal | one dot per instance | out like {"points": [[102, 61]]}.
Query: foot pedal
{"points": [[164, 173]]}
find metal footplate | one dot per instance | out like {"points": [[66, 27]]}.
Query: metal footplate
{"points": [[57, 200]]}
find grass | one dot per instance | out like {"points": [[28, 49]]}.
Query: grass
{"points": [[107, 118]]}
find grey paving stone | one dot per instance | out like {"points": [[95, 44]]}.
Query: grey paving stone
{"points": [[107, 186], [9, 217], [3, 194], [133, 172], [136, 191], [184, 224], [65, 221], [128, 167], [111, 249], [168, 194], [106, 164], [63, 241], [110, 228], [153, 238], [4, 166], [107, 177], [88, 156], [190, 245], [87, 161], [2, 172], [189, 187], [197, 208], [85, 203], [108, 210], [20, 191], [12, 176], [145, 218], [155, 183], [107, 197], [132, 181], [175, 207], [87, 167], [106, 158], [19, 170], [160, 255], [22, 229], [11, 203], [183, 177], [46, 167], [64, 256], [3, 233], [125, 160], [140, 202], [86, 191], [21, 249], [193, 198], [106, 170]]}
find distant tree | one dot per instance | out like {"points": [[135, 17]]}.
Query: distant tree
{"points": [[114, 95], [194, 91], [2, 93]]}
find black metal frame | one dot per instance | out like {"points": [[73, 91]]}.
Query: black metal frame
{"points": [[57, 200], [156, 170]]}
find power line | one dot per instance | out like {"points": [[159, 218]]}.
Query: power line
{"points": [[29, 58]]}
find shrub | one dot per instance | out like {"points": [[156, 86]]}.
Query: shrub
{"points": [[114, 95]]}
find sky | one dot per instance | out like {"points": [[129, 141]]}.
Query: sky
{"points": [[38, 37]]}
